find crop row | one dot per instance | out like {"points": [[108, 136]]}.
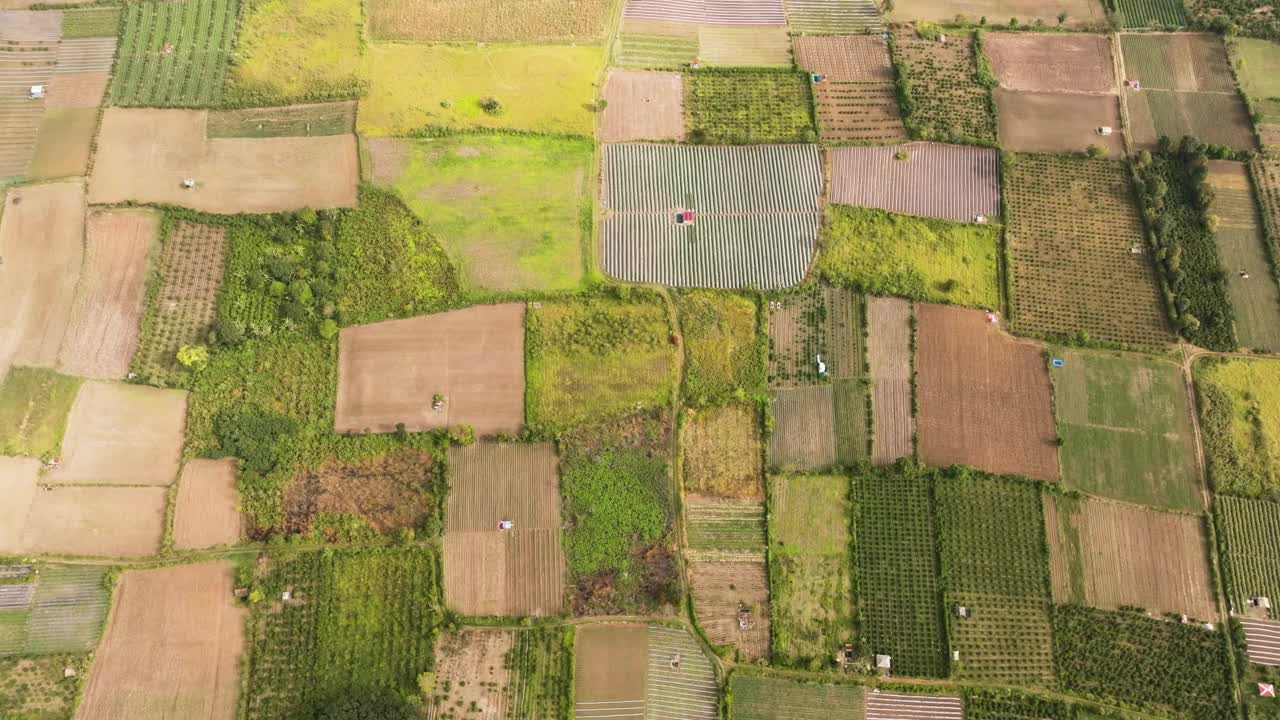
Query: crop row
{"points": [[174, 54], [726, 526], [541, 665], [658, 178], [1249, 531]]}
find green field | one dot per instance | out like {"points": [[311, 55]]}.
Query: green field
{"points": [[298, 50], [541, 664], [542, 89], [1248, 535], [724, 352], [757, 697], [291, 121], [994, 562], [931, 260], [1000, 704], [1125, 424], [1240, 424], [91, 22], [34, 403], [726, 527], [1152, 13], [36, 688], [899, 592], [748, 107], [190, 74], [66, 614], [512, 212], [810, 588], [1257, 64], [942, 95]]}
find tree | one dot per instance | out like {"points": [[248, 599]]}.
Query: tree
{"points": [[362, 703], [193, 356], [1096, 152], [1062, 17]]}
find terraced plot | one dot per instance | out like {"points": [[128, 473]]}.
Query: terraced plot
{"points": [[758, 697], [857, 101], [945, 101], [833, 16], [948, 182]]}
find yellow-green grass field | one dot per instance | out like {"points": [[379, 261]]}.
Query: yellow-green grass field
{"points": [[297, 50], [512, 211], [544, 89], [452, 20], [1257, 65], [1240, 424], [34, 404], [923, 259]]}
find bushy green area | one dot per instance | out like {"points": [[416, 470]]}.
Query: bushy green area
{"points": [[358, 618], [748, 107], [596, 357], [724, 353], [944, 89], [981, 704], [34, 404], [884, 253], [1176, 196], [1244, 17], [1128, 657], [1248, 534], [202, 33], [1240, 424], [298, 50]]}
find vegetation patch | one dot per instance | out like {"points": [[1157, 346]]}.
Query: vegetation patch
{"points": [[298, 51], [943, 91], [37, 687], [91, 22], [1152, 13], [1257, 66], [315, 120], [748, 107], [1240, 424], [724, 352], [759, 697], [721, 452], [884, 253], [346, 501], [174, 54], [1236, 16], [34, 404]]}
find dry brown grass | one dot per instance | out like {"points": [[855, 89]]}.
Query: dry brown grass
{"points": [[722, 452], [17, 491]]}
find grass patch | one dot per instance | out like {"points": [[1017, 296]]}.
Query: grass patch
{"points": [[721, 452], [1240, 424], [724, 352], [298, 50], [1257, 64], [34, 403], [595, 358], [510, 210], [201, 32], [540, 89], [91, 22], [1248, 533], [748, 107], [923, 259]]}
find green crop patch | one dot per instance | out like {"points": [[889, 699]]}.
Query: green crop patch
{"points": [[745, 107], [1240, 424], [885, 253], [1152, 13], [1257, 64], [34, 403], [1004, 704], [725, 526], [91, 22], [1248, 533], [174, 54], [1125, 424], [943, 95], [37, 687], [896, 561], [758, 697], [995, 564], [298, 51], [724, 352]]}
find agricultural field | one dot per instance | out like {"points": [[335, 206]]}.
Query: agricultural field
{"points": [[38, 686], [995, 564], [95, 520], [368, 618], [174, 54], [311, 120], [508, 209], [1239, 424], [740, 107], [721, 452], [1247, 531], [812, 321], [984, 396], [62, 613], [725, 354], [811, 591], [503, 674], [944, 97], [174, 641], [687, 691], [803, 436], [387, 493], [538, 88], [888, 706], [1078, 13], [889, 364], [34, 404], [479, 377], [611, 668], [899, 591], [1099, 556], [77, 91], [857, 101], [721, 590], [760, 697], [643, 106], [946, 182], [842, 16], [1072, 232], [1066, 63], [878, 252], [1125, 423], [94, 451], [1058, 122], [1183, 62], [754, 12], [21, 476], [91, 22], [1261, 641], [718, 527], [31, 42], [1141, 14], [297, 51], [1218, 118], [63, 146], [655, 44], [1242, 247], [1257, 66], [1266, 184], [753, 46], [206, 513], [542, 21]]}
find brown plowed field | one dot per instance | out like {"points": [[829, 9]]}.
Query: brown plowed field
{"points": [[1112, 555], [472, 664], [803, 435], [611, 668], [857, 101], [1079, 12], [98, 521], [643, 106], [855, 58], [512, 572], [144, 155], [951, 182], [389, 371], [42, 244], [207, 513], [1051, 62], [121, 434], [1058, 122], [984, 397], [18, 477], [889, 356], [172, 648], [719, 588], [103, 332], [489, 482], [73, 91]]}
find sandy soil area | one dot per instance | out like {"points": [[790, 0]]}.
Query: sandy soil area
{"points": [[121, 434]]}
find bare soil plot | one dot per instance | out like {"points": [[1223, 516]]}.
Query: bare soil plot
{"points": [[121, 434], [642, 106], [388, 492], [894, 706], [103, 333], [1051, 62], [76, 91], [1113, 555], [803, 435], [611, 668], [889, 356], [30, 25], [1251, 284], [515, 572], [96, 520], [855, 58], [1262, 638], [1079, 12], [62, 149], [144, 155], [472, 664], [172, 648], [1058, 122], [984, 397], [41, 241], [503, 481], [207, 512], [724, 12], [722, 452], [18, 477], [950, 182], [1188, 62], [720, 590], [388, 372], [744, 45]]}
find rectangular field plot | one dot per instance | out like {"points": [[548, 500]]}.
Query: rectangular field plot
{"points": [[1071, 234], [721, 590], [459, 20], [655, 44], [489, 482], [207, 512], [1138, 14], [31, 43], [721, 452], [984, 396], [946, 102], [1051, 62], [744, 45], [895, 706], [1100, 555], [1125, 424], [994, 563], [62, 613], [948, 182], [99, 521], [643, 106], [611, 667], [889, 332], [64, 144], [190, 74], [768, 698], [1262, 641], [723, 12], [1240, 421], [1249, 531], [857, 101], [748, 106], [314, 120], [502, 674], [1214, 117], [98, 450], [833, 16], [728, 180], [803, 436], [815, 321], [722, 527], [1186, 62], [1242, 246], [1058, 122], [684, 691], [1257, 66]]}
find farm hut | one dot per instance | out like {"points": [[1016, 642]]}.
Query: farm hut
{"points": [[37, 92], [884, 663]]}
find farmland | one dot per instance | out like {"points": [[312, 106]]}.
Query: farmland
{"points": [[1247, 529], [655, 178], [1217, 118], [756, 12], [947, 182], [759, 697], [34, 404], [62, 148], [857, 101], [611, 665], [997, 569], [812, 321], [542, 21], [716, 526], [206, 514], [744, 45], [503, 674], [944, 99], [887, 705], [1257, 65], [899, 592], [65, 612], [721, 589], [1075, 63], [1152, 13], [722, 452], [643, 106], [1077, 12], [1251, 283], [809, 559], [748, 107], [341, 500], [889, 339], [1182, 61], [33, 39], [96, 520], [39, 685], [971, 413], [724, 352], [1240, 422], [174, 54], [804, 428], [655, 44], [93, 451], [688, 691], [313, 120], [1071, 232], [1125, 424], [297, 50], [1058, 122], [843, 16]]}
